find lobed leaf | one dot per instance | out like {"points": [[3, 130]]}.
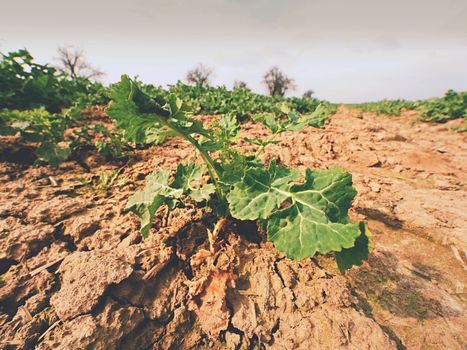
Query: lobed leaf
{"points": [[300, 232], [131, 110], [188, 178], [146, 202], [160, 190], [318, 117], [302, 219], [228, 129], [260, 192]]}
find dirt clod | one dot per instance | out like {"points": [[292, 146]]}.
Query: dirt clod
{"points": [[85, 277]]}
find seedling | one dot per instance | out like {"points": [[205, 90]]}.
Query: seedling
{"points": [[303, 214], [105, 181]]}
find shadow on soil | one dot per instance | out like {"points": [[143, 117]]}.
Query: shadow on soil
{"points": [[377, 215], [384, 285], [399, 293]]}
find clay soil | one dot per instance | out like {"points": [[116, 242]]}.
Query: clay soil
{"points": [[76, 274]]}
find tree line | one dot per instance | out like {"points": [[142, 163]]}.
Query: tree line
{"points": [[72, 61]]}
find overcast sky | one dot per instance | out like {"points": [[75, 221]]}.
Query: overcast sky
{"points": [[346, 51]]}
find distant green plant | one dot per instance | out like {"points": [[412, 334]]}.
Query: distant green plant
{"points": [[243, 103], [26, 84], [48, 131], [302, 214], [110, 143], [38, 126], [105, 181], [452, 105], [385, 107]]}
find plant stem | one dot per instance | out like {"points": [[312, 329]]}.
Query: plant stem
{"points": [[213, 173], [206, 157], [268, 140], [213, 235]]}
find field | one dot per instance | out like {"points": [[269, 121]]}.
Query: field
{"points": [[137, 217]]}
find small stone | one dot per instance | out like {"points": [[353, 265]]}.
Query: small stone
{"points": [[375, 187]]}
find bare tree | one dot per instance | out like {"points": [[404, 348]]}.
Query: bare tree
{"points": [[308, 93], [277, 82], [200, 75], [238, 84], [73, 62]]}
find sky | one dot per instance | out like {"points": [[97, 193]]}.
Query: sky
{"points": [[346, 51]]}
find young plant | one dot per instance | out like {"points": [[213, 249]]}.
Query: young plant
{"points": [[105, 181], [38, 126], [302, 214], [110, 143]]}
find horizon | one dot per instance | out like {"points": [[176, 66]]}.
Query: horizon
{"points": [[346, 52]]}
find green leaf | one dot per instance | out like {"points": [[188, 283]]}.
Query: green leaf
{"points": [[133, 111], [260, 142], [269, 120], [301, 231], [351, 257], [146, 213], [228, 129], [146, 202], [328, 190], [145, 119], [233, 166], [156, 185], [189, 178], [203, 193], [318, 117], [316, 221], [178, 119], [159, 190], [158, 135], [260, 192], [52, 153], [315, 119], [294, 121], [284, 108]]}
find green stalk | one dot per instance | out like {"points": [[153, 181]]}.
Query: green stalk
{"points": [[213, 173], [206, 157], [269, 139]]}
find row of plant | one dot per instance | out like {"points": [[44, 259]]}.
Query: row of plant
{"points": [[452, 105], [39, 103], [55, 144], [241, 101], [385, 107], [26, 84]]}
